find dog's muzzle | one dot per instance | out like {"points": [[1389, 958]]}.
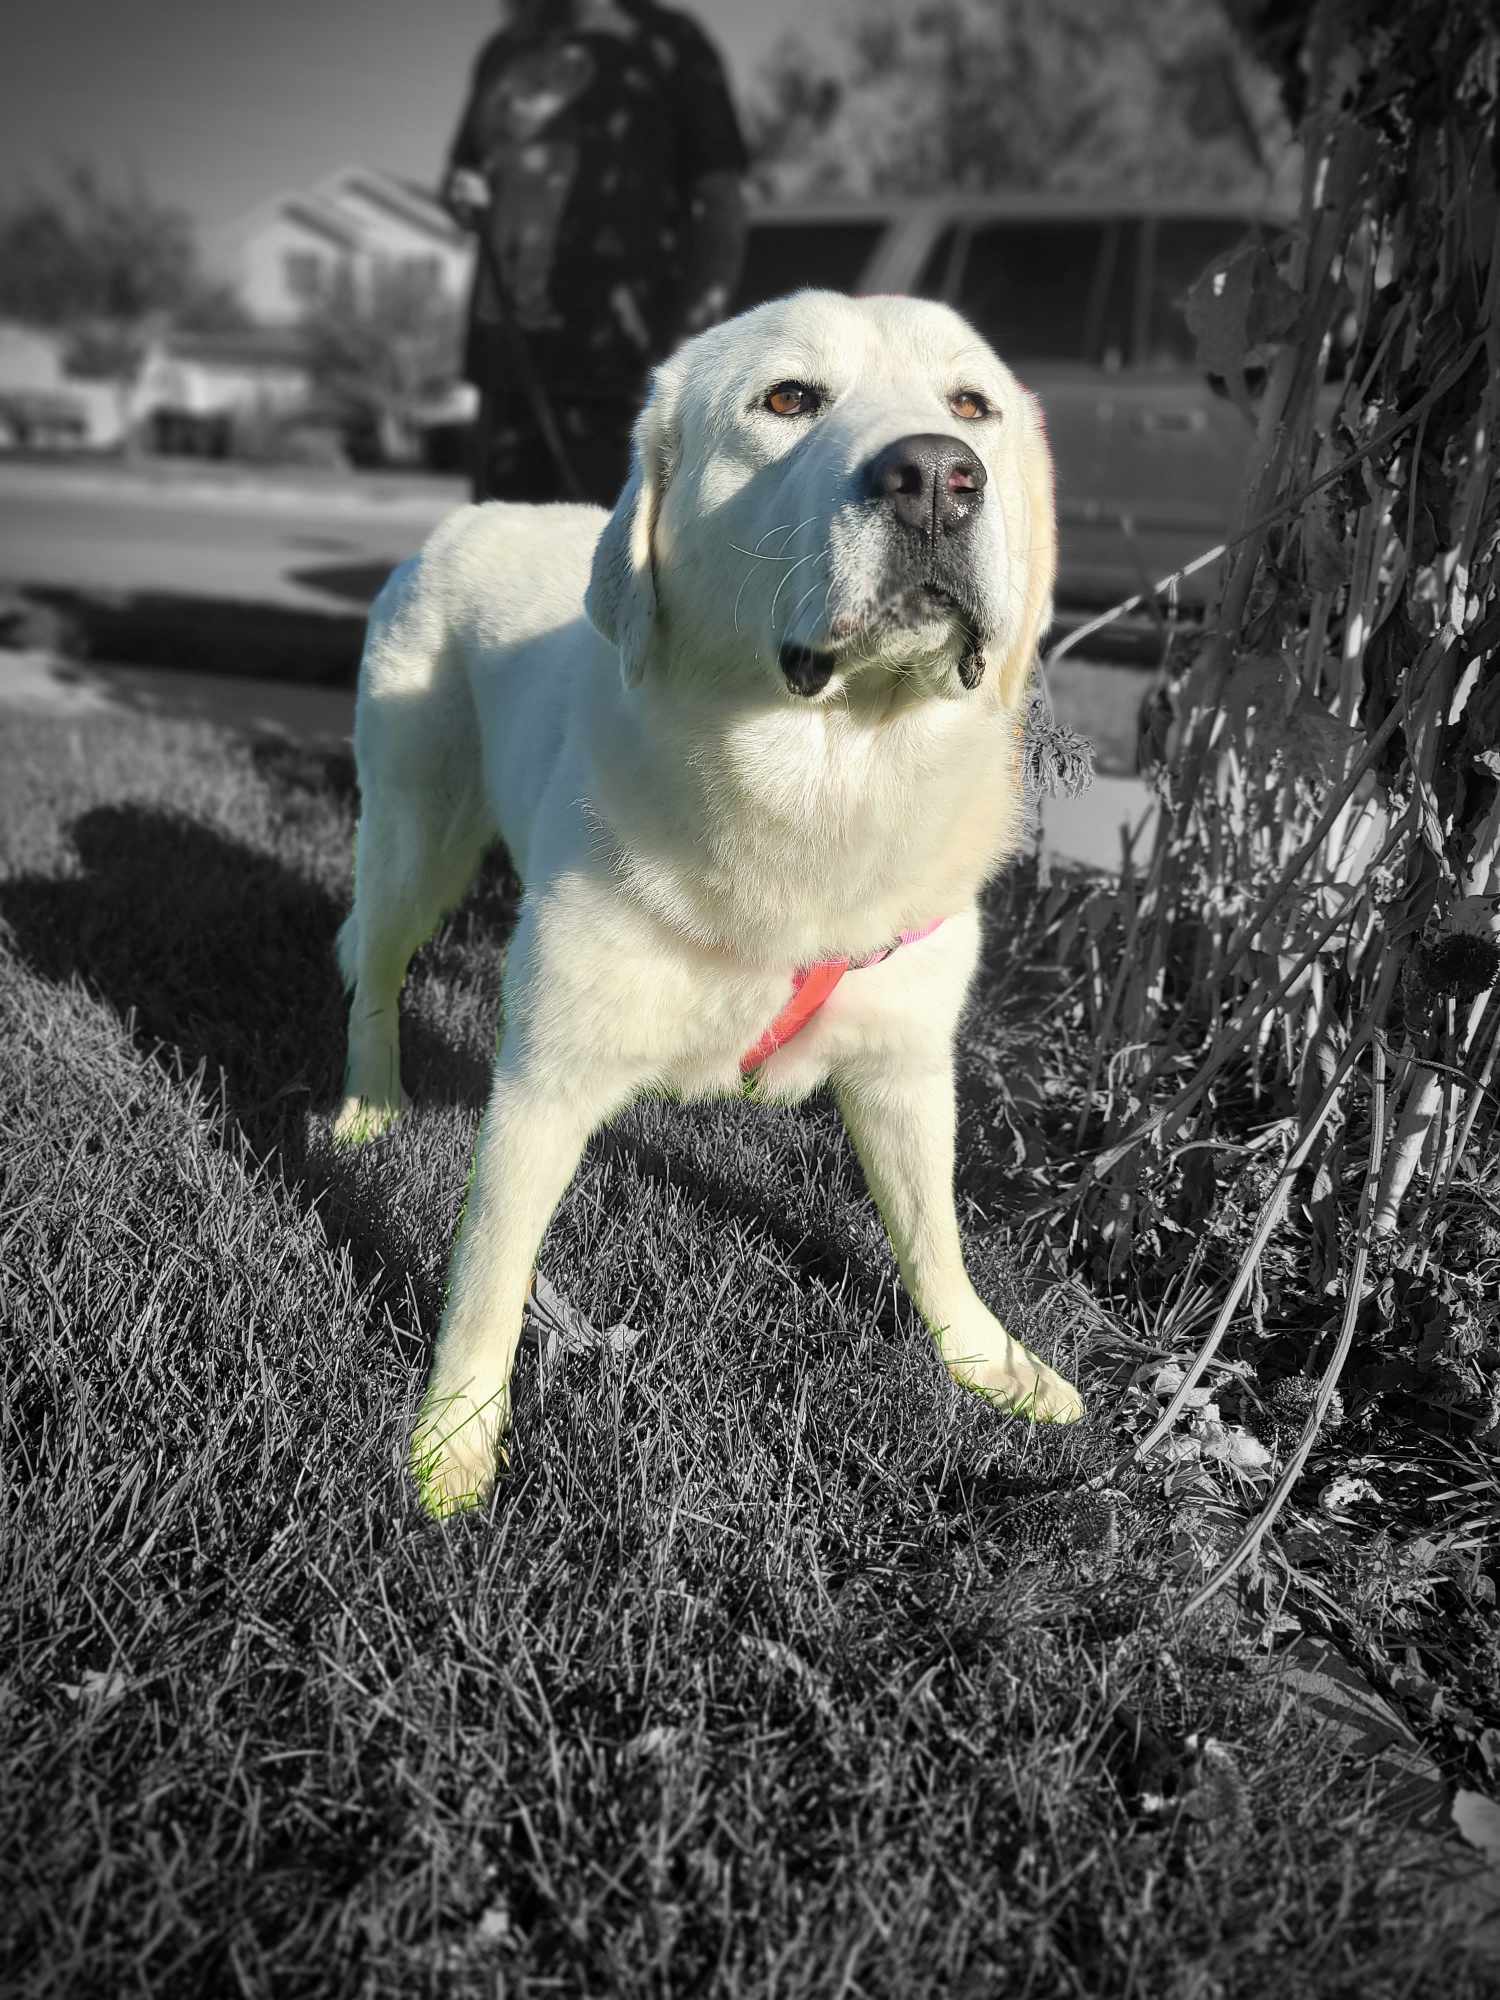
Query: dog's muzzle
{"points": [[931, 485], [929, 488]]}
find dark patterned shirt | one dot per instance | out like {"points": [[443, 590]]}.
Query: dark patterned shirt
{"points": [[591, 141]]}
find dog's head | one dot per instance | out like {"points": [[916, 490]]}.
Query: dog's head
{"points": [[826, 488]]}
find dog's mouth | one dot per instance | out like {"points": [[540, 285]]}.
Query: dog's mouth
{"points": [[927, 603], [808, 669]]}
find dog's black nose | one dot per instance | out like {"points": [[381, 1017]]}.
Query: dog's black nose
{"points": [[931, 483]]}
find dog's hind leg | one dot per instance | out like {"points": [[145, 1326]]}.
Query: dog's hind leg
{"points": [[423, 826], [408, 872]]}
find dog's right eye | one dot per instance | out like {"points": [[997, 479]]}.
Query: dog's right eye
{"points": [[793, 399]]}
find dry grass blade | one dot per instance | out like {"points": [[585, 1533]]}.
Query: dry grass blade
{"points": [[1284, 510], [1259, 1005], [1328, 1382], [1270, 1215]]}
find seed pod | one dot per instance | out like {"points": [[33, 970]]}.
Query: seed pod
{"points": [[1293, 1397], [1057, 761], [1462, 964]]}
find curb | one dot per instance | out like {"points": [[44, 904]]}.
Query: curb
{"points": [[230, 637], [403, 496]]}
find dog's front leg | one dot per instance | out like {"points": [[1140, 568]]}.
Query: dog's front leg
{"points": [[902, 1125], [529, 1145]]}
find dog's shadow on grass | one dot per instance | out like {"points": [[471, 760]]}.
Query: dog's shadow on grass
{"points": [[217, 953]]}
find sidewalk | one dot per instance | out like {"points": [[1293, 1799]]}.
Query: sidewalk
{"points": [[36, 681], [219, 570], [238, 595], [226, 483]]}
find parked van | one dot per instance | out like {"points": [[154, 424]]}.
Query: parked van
{"points": [[1083, 298]]}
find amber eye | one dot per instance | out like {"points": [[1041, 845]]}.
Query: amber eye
{"points": [[968, 404], [793, 399]]}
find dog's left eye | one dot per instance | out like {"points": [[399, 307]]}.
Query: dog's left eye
{"points": [[794, 399], [969, 404]]}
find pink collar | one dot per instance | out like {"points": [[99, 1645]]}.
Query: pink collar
{"points": [[811, 986]]}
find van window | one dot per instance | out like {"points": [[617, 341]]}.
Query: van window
{"points": [[786, 256], [1178, 250], [1042, 291]]}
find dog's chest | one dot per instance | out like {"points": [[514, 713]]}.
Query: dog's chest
{"points": [[836, 837]]}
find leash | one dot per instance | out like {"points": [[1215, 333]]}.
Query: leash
{"points": [[526, 369]]}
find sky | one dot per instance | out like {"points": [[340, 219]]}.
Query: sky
{"points": [[218, 106]]}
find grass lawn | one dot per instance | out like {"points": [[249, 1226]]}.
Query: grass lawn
{"points": [[776, 1667]]}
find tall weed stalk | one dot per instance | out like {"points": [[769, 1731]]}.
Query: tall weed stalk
{"points": [[1321, 904]]}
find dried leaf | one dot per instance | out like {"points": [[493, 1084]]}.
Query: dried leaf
{"points": [[1316, 742], [659, 1741], [1362, 1723], [562, 1329], [1261, 684], [98, 1690], [1340, 1494], [1234, 1445], [1236, 310], [1478, 1820], [1217, 1796], [1325, 546]]}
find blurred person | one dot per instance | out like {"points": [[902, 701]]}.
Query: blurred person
{"points": [[599, 160]]}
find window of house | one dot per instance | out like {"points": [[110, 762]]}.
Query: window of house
{"points": [[426, 271], [303, 273], [1042, 290], [783, 257]]}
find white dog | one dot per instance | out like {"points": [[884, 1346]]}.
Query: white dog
{"points": [[760, 724]]}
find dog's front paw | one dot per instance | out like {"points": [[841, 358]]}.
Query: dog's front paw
{"points": [[456, 1451], [361, 1119], [1013, 1378]]}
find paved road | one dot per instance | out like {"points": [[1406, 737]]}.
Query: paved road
{"points": [[308, 547], [311, 545]]}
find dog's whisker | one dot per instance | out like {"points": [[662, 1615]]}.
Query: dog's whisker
{"points": [[823, 617], [811, 591], [797, 531], [811, 556], [756, 556]]}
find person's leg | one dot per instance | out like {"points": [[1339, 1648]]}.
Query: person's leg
{"points": [[596, 435], [512, 461], [479, 449]]}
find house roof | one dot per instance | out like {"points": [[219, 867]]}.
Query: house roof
{"points": [[406, 200], [248, 347], [309, 213], [419, 192]]}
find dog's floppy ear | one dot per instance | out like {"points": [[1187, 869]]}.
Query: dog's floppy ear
{"points": [[1033, 529], [621, 597]]}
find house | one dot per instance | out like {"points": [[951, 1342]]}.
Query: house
{"points": [[296, 247], [213, 392], [44, 405], [196, 391], [254, 389]]}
